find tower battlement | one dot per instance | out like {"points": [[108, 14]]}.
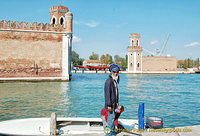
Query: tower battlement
{"points": [[132, 35], [20, 25], [134, 39], [59, 9]]}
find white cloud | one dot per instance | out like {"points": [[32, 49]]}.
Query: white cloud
{"points": [[76, 39], [92, 24], [154, 42], [192, 44], [89, 23], [75, 22]]}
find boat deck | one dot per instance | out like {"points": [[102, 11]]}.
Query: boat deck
{"points": [[194, 131], [86, 127]]}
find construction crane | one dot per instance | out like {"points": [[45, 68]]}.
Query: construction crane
{"points": [[152, 53], [164, 45], [158, 52]]}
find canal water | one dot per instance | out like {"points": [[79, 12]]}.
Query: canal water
{"points": [[174, 97]]}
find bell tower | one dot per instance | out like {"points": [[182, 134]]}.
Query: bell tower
{"points": [[134, 54]]}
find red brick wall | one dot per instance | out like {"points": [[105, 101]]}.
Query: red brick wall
{"points": [[30, 36], [28, 54]]}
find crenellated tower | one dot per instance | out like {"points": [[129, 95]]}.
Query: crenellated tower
{"points": [[57, 14], [134, 54], [62, 16]]}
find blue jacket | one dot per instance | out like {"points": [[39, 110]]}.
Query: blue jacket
{"points": [[110, 93]]}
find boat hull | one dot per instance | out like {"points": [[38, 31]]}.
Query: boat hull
{"points": [[66, 126]]}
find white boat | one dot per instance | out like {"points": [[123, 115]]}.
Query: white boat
{"points": [[65, 126]]}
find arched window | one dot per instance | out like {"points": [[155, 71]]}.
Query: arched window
{"points": [[132, 42], [138, 65], [61, 21], [53, 21], [137, 43]]}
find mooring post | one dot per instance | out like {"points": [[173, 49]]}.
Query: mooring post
{"points": [[53, 124], [141, 116]]}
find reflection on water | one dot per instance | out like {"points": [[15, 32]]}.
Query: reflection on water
{"points": [[173, 97], [134, 81], [21, 100]]}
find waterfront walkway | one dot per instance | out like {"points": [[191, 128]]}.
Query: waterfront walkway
{"points": [[189, 131], [33, 79], [144, 72]]}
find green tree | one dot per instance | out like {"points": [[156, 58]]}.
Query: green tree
{"points": [[75, 58], [122, 62], [188, 63], [107, 59], [126, 61], [180, 64], [117, 58], [185, 64], [102, 59], [110, 60], [197, 62], [94, 56], [81, 61]]}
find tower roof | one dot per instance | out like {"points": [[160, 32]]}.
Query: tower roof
{"points": [[58, 9], [134, 35]]}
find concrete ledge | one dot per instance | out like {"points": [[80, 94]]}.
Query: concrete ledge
{"points": [[90, 71], [144, 72], [35, 79], [167, 72]]}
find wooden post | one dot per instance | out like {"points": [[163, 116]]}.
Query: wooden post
{"points": [[53, 124]]}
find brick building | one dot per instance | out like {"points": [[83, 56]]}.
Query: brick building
{"points": [[39, 50], [91, 63], [137, 63]]}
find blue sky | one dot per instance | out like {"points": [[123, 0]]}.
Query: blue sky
{"points": [[103, 26]]}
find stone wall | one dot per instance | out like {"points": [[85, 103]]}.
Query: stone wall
{"points": [[159, 63], [30, 49]]}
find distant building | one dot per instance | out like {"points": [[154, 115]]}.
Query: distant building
{"points": [[137, 63], [91, 63]]}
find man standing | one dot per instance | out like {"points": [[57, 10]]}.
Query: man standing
{"points": [[111, 95]]}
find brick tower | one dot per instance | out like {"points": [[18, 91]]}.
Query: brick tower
{"points": [[57, 14], [60, 15], [134, 54]]}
